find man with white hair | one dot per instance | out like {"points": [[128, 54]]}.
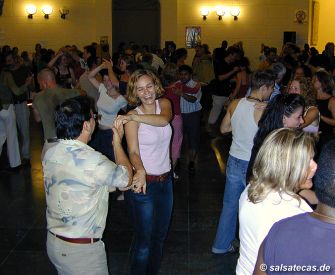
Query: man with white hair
{"points": [[279, 70]]}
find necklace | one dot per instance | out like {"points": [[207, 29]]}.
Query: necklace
{"points": [[324, 216], [255, 98]]}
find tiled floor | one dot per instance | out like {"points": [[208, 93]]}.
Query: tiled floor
{"points": [[197, 205]]}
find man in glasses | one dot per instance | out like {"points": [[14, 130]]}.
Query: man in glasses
{"points": [[77, 181]]}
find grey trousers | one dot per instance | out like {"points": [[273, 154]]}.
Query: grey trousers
{"points": [[22, 121], [77, 259], [218, 104], [8, 132]]}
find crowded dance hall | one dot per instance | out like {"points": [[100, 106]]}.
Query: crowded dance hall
{"points": [[148, 137]]}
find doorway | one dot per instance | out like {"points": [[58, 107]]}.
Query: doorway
{"points": [[136, 21]]}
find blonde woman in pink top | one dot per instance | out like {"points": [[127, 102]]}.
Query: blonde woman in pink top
{"points": [[148, 134]]}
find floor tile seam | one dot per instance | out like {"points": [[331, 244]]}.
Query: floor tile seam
{"points": [[13, 249]]}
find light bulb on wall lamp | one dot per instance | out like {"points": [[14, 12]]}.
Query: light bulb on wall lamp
{"points": [[47, 10], [204, 13], [31, 10], [235, 12], [220, 12]]}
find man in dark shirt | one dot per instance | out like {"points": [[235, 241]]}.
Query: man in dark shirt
{"points": [[224, 75], [20, 73], [45, 102]]}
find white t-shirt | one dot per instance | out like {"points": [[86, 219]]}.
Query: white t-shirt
{"points": [[109, 107], [256, 221]]}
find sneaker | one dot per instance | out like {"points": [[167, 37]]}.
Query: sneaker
{"points": [[120, 197], [232, 249]]}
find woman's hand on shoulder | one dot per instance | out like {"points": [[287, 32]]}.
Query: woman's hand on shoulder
{"points": [[131, 116]]}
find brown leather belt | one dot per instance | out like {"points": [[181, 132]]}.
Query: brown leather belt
{"points": [[76, 240], [157, 178]]}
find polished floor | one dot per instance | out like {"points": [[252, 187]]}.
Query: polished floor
{"points": [[197, 206]]}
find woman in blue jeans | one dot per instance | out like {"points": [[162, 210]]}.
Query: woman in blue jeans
{"points": [[148, 135], [241, 119]]}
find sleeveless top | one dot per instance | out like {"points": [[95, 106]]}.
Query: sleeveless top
{"points": [[244, 129], [314, 126], [154, 145], [64, 80], [325, 128]]}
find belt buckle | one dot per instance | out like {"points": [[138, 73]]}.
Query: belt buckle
{"points": [[162, 177]]}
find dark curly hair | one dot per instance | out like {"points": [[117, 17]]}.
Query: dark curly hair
{"points": [[272, 119], [71, 115]]}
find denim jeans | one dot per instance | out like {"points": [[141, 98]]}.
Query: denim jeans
{"points": [[151, 215], [235, 184]]}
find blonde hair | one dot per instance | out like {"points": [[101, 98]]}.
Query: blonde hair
{"points": [[132, 97], [281, 164]]}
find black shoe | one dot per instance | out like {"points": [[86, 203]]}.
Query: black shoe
{"points": [[26, 162], [12, 170], [191, 167]]}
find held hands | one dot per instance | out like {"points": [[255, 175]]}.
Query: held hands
{"points": [[107, 64], [139, 182]]}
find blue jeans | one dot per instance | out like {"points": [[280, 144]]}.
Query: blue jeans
{"points": [[235, 184], [151, 215]]}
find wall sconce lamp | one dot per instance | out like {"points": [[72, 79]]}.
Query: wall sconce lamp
{"points": [[204, 13], [63, 12], [220, 13], [47, 10], [235, 12], [31, 10]]}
